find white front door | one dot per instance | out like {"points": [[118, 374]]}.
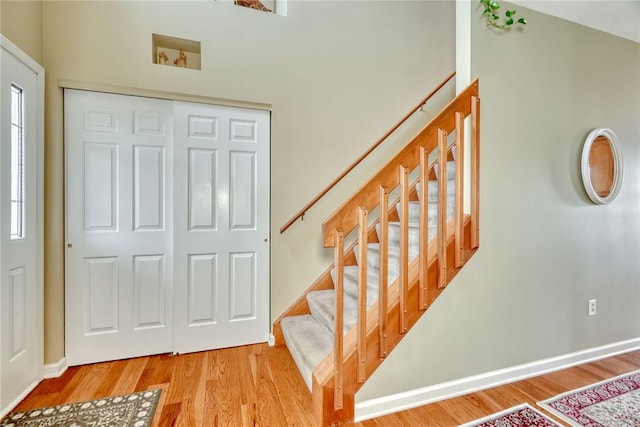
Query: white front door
{"points": [[118, 225], [221, 226], [21, 231], [167, 216]]}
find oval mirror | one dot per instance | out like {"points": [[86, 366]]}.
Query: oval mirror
{"points": [[602, 166]]}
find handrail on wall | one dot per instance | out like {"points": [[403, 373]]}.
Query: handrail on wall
{"points": [[302, 211]]}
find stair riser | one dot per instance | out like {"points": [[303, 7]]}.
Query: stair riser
{"points": [[432, 213], [322, 305], [373, 261], [451, 170], [433, 191], [351, 282], [308, 343], [414, 234]]}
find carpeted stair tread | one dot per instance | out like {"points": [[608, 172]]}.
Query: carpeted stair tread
{"points": [[432, 212], [373, 260], [351, 274], [323, 309], [414, 233], [308, 342]]}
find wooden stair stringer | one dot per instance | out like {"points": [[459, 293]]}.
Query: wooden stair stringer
{"points": [[323, 375]]}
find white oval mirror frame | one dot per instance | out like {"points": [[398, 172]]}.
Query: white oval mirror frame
{"points": [[587, 175]]}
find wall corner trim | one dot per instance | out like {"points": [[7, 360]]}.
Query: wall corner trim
{"points": [[422, 396], [54, 370]]}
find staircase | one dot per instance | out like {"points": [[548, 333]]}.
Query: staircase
{"points": [[409, 240]]}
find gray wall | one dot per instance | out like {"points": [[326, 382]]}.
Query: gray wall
{"points": [[337, 75], [545, 248]]}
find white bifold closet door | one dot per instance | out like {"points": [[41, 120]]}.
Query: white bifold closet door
{"points": [[119, 210], [221, 226], [167, 226]]}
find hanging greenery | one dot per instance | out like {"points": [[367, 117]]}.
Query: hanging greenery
{"points": [[493, 18]]}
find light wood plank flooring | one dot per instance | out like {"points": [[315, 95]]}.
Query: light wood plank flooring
{"points": [[259, 385]]}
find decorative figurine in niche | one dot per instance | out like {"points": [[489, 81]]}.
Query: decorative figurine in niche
{"points": [[181, 61], [162, 57], [252, 4]]}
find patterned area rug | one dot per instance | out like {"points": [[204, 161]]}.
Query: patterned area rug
{"points": [[130, 410], [518, 416], [611, 403]]}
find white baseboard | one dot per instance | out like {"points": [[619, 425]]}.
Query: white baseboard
{"points": [[425, 395], [7, 409], [54, 370], [272, 340]]}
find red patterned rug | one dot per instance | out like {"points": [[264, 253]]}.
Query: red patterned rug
{"points": [[518, 416], [611, 403]]}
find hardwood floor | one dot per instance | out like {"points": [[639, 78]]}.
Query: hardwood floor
{"points": [[259, 385]]}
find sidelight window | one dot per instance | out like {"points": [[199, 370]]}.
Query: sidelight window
{"points": [[17, 164]]}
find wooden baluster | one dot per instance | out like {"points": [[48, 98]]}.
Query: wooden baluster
{"points": [[404, 248], [459, 234], [475, 172], [383, 305], [339, 321], [442, 208], [423, 301], [362, 297]]}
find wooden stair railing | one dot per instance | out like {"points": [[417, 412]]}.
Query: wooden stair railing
{"points": [[414, 289], [357, 354]]}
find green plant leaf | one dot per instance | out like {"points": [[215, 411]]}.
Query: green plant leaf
{"points": [[489, 12]]}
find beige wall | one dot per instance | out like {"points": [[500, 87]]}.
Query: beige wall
{"points": [[337, 75], [21, 22], [545, 248]]}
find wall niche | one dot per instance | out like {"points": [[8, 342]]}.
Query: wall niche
{"points": [[175, 52]]}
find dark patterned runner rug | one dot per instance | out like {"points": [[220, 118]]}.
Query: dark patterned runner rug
{"points": [[518, 416], [611, 403], [129, 410]]}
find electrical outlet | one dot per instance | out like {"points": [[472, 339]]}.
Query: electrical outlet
{"points": [[592, 307]]}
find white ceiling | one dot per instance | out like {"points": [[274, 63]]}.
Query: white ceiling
{"points": [[617, 17]]}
